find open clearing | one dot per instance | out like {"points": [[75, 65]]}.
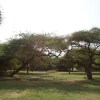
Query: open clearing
{"points": [[50, 85]]}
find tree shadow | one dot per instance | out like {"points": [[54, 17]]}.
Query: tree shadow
{"points": [[81, 73], [33, 73], [96, 73], [73, 73], [60, 86]]}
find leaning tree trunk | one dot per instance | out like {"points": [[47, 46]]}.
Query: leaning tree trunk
{"points": [[16, 71], [22, 67]]}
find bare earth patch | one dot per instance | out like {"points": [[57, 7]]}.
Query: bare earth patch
{"points": [[15, 94]]}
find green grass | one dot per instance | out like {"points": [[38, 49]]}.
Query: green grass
{"points": [[50, 86]]}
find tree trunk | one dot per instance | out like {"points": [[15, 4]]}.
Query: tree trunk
{"points": [[13, 73], [89, 73], [5, 70], [27, 70], [69, 71]]}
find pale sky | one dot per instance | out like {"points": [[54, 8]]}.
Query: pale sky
{"points": [[61, 17]]}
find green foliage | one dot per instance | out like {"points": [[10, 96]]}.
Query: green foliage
{"points": [[66, 63], [89, 42], [82, 50], [91, 36], [33, 50]]}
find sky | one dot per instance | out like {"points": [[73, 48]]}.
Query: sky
{"points": [[60, 17]]}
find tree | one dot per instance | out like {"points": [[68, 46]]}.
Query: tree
{"points": [[28, 48], [66, 63], [89, 42]]}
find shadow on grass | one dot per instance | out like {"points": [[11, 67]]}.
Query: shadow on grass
{"points": [[34, 73], [74, 73], [44, 85], [80, 73], [96, 73]]}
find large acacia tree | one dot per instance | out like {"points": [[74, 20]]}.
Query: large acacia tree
{"points": [[88, 42], [28, 48]]}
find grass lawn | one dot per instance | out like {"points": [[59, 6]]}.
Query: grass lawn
{"points": [[50, 85]]}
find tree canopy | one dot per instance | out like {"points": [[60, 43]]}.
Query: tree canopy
{"points": [[28, 48], [81, 50], [88, 42]]}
